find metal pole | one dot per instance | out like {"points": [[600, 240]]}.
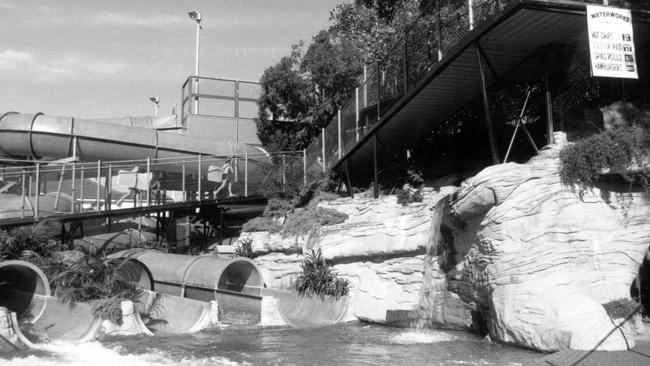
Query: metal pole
{"points": [[81, 187], [108, 188], [304, 167], [439, 29], [99, 176], [38, 190], [340, 139], [356, 116], [183, 182], [486, 107], [549, 106], [405, 65], [284, 173], [29, 189], [149, 178], [365, 86], [471, 14], [74, 185], [199, 183], [22, 196], [375, 168], [246, 174], [322, 133], [378, 90], [196, 68]]}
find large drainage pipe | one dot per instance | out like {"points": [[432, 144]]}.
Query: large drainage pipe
{"points": [[24, 288], [235, 283]]}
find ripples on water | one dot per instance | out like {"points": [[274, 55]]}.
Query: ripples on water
{"points": [[348, 344]]}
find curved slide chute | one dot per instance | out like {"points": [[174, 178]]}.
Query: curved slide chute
{"points": [[36, 316], [38, 136], [284, 308]]}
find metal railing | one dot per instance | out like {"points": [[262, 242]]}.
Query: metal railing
{"points": [[219, 98], [69, 187], [439, 28]]}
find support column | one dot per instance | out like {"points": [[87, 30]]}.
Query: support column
{"points": [[549, 105], [486, 106], [375, 167]]}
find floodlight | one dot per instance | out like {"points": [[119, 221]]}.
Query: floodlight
{"points": [[195, 15]]}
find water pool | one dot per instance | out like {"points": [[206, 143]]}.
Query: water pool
{"points": [[346, 344]]}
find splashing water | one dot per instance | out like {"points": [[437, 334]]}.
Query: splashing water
{"points": [[95, 353], [422, 336]]}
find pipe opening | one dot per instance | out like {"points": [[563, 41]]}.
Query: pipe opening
{"points": [[23, 288], [134, 271], [242, 277]]}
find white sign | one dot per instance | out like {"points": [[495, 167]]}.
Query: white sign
{"points": [[611, 42]]}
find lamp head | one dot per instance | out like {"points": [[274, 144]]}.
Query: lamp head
{"points": [[154, 99], [195, 15]]}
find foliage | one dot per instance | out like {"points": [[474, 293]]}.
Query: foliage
{"points": [[34, 239], [245, 248], [406, 196], [263, 223], [109, 309], [322, 184], [615, 150], [91, 278], [317, 279], [621, 308], [309, 220]]}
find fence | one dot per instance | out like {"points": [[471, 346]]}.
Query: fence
{"points": [[63, 187], [439, 28]]}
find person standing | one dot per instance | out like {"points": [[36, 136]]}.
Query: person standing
{"points": [[227, 176]]}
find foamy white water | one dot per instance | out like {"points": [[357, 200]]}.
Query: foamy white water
{"points": [[95, 353], [422, 336]]}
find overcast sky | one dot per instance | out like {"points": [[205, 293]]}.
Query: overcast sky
{"points": [[105, 58]]}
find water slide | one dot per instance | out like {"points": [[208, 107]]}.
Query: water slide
{"points": [[284, 308]]}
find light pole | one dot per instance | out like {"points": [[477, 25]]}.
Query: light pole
{"points": [[156, 101], [196, 16]]}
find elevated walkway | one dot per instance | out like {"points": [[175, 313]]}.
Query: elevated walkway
{"points": [[441, 66]]}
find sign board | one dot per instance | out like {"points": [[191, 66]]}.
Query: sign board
{"points": [[611, 42]]}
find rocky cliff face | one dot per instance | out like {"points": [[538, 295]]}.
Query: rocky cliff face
{"points": [[380, 249], [532, 259]]}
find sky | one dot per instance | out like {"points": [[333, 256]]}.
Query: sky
{"points": [[106, 58]]}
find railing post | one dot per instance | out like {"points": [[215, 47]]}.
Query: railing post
{"points": [[322, 134], [378, 90], [22, 196], [199, 183], [406, 67], [365, 86], [38, 190], [73, 193], [284, 173], [470, 6], [183, 181], [149, 178], [304, 167], [356, 116], [246, 174], [108, 188], [81, 188], [338, 127], [439, 29], [99, 177]]}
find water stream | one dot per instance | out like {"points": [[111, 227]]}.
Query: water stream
{"points": [[344, 344]]}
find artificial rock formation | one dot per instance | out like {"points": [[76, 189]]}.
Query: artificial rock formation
{"points": [[380, 249], [533, 260]]}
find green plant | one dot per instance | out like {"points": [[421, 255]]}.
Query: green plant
{"points": [[92, 278], [262, 223], [109, 309], [583, 162], [277, 207], [245, 248], [405, 196], [621, 308], [317, 279], [29, 239], [308, 220]]}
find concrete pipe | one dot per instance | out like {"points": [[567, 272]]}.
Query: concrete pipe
{"points": [[236, 283], [24, 288]]}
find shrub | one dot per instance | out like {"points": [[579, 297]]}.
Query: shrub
{"points": [[621, 308], [245, 248], [91, 278], [35, 239], [262, 223], [277, 207], [317, 279], [308, 220], [109, 309], [405, 196], [584, 161]]}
